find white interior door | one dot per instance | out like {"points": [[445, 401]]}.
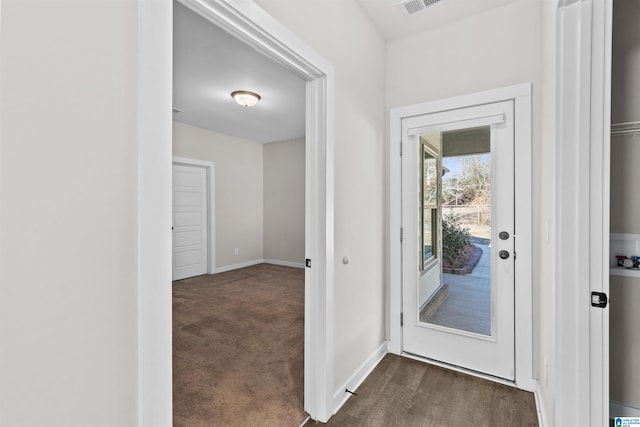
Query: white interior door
{"points": [[190, 224], [458, 169]]}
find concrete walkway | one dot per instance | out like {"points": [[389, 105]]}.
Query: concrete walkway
{"points": [[468, 304]]}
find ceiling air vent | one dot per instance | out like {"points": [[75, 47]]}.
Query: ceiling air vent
{"points": [[411, 7]]}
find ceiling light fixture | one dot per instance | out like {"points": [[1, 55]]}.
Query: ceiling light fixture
{"points": [[245, 98]]}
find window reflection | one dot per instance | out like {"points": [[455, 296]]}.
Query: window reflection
{"points": [[429, 176]]}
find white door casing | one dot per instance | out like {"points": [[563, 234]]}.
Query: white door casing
{"points": [[521, 97], [492, 354], [583, 73], [253, 25]]}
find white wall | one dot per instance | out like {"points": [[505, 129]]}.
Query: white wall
{"points": [[339, 31], [505, 46], [239, 200], [68, 227], [284, 216]]}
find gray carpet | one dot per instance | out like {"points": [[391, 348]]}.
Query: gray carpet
{"points": [[238, 348]]}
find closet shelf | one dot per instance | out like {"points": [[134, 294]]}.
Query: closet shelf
{"points": [[626, 272], [625, 128]]}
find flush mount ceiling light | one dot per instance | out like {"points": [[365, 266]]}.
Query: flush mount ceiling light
{"points": [[245, 98]]}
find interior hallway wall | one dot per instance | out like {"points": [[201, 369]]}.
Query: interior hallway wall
{"points": [[238, 192], [343, 34], [505, 46], [284, 198], [69, 213]]}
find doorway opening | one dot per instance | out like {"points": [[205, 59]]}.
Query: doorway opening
{"points": [[249, 23], [463, 189], [241, 326]]}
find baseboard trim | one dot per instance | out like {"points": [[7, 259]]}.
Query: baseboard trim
{"points": [[239, 265], [540, 408], [341, 396], [617, 409], [284, 263]]}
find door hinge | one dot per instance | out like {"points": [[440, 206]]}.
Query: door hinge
{"points": [[400, 148], [599, 299], [307, 263], [401, 234], [401, 319]]}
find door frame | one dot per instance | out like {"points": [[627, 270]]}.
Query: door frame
{"points": [[583, 123], [251, 24], [211, 205], [521, 95]]}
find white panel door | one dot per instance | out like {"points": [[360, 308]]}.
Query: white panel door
{"points": [[190, 224], [463, 315]]}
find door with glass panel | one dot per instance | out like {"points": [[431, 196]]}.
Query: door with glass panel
{"points": [[458, 238]]}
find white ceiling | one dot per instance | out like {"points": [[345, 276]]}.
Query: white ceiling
{"points": [[393, 23], [209, 64]]}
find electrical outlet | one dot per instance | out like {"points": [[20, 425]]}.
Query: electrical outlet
{"points": [[236, 251]]}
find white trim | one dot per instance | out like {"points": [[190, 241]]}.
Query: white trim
{"points": [[462, 123], [256, 262], [599, 207], [540, 408], [248, 22], [582, 174], [521, 94], [249, 263], [572, 319], [617, 409], [155, 403], [239, 265], [284, 263], [523, 242], [358, 377], [211, 214]]}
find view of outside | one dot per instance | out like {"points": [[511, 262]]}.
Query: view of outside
{"points": [[466, 245], [466, 192]]}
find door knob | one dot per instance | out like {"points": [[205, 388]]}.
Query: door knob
{"points": [[503, 254]]}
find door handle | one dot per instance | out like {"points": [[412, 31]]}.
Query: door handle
{"points": [[503, 254]]}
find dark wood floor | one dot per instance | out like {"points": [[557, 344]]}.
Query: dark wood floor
{"points": [[405, 392]]}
